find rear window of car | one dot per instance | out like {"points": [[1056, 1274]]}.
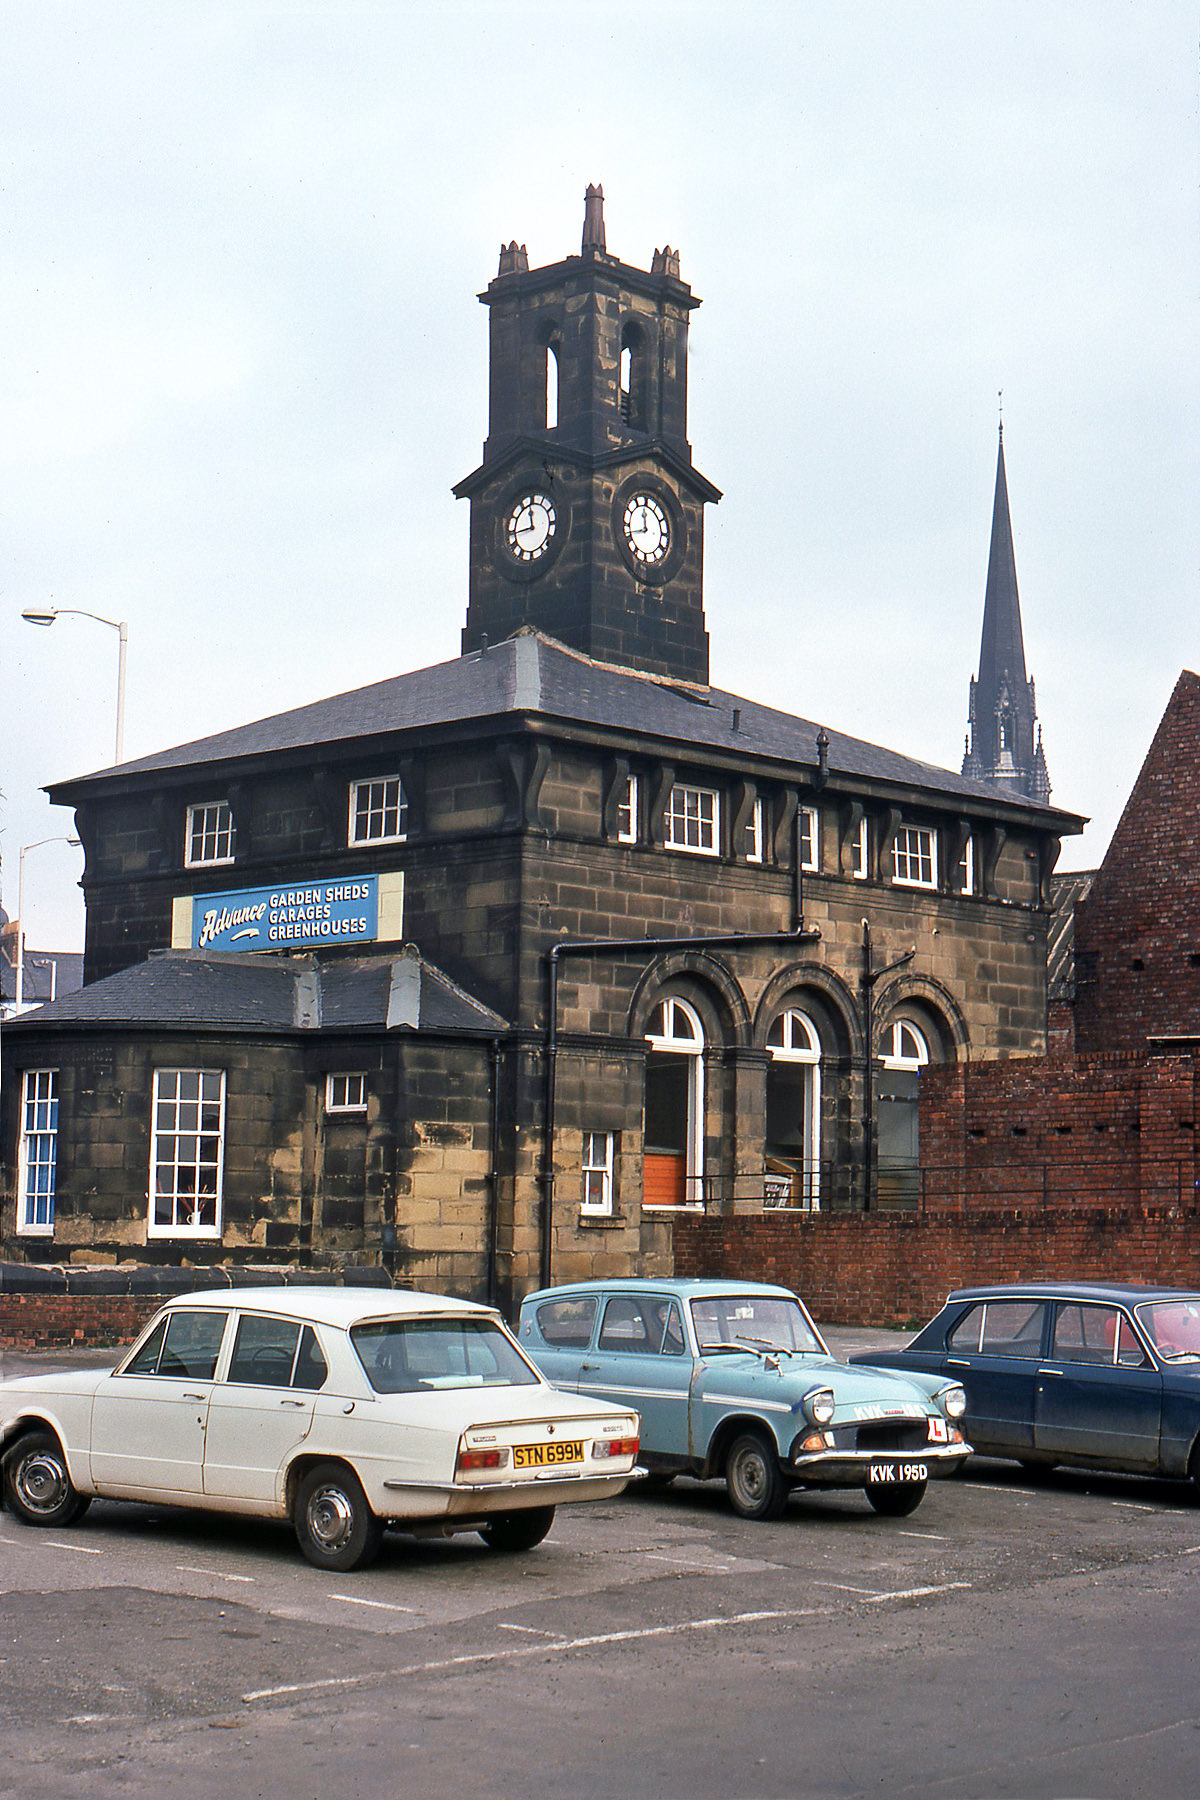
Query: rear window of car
{"points": [[405, 1356], [276, 1353], [753, 1321], [1001, 1328], [567, 1323]]}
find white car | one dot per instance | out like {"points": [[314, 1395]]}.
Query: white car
{"points": [[342, 1409]]}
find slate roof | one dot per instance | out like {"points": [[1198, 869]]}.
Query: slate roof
{"points": [[534, 675], [187, 989]]}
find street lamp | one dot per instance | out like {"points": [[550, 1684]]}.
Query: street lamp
{"points": [[19, 995], [46, 615]]}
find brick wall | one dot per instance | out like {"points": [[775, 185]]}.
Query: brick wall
{"points": [[72, 1321], [880, 1269], [1137, 933]]}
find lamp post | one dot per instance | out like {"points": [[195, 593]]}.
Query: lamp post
{"points": [[19, 993], [46, 615]]}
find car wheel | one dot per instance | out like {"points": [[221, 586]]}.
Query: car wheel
{"points": [[896, 1499], [335, 1527], [518, 1530], [757, 1490], [37, 1484]]}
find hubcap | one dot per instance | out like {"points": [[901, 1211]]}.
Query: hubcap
{"points": [[42, 1482], [330, 1518], [750, 1476]]}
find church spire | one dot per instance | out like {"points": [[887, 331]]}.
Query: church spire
{"points": [[1005, 743]]}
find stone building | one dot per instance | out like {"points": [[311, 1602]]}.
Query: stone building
{"points": [[490, 969]]}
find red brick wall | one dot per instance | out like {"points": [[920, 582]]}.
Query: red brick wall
{"points": [[1137, 934], [72, 1321], [1112, 1128], [896, 1269]]}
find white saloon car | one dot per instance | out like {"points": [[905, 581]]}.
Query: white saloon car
{"points": [[342, 1409]]}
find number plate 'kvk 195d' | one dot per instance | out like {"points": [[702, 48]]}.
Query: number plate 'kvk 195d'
{"points": [[879, 1472], [543, 1456]]}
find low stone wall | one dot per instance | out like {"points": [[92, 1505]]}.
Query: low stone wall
{"points": [[68, 1307], [896, 1269]]}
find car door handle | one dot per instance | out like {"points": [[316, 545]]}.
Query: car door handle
{"points": [[583, 1366], [957, 1362], [300, 1403], [1049, 1371], [195, 1396]]}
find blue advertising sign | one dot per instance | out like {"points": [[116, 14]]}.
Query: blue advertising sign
{"points": [[293, 918]]}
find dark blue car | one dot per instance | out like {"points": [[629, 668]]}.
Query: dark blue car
{"points": [[1091, 1376]]}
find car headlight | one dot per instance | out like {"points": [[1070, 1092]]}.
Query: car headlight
{"points": [[954, 1402], [819, 1405]]}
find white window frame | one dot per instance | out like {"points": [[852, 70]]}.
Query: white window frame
{"points": [[693, 821], [350, 1096], [37, 1155], [800, 1042], [860, 849], [628, 811], [965, 875], [678, 1041], [596, 1174], [915, 847], [201, 829], [183, 1131], [909, 1046], [810, 838], [756, 831], [379, 808]]}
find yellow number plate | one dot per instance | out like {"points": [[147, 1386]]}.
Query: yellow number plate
{"points": [[545, 1456]]}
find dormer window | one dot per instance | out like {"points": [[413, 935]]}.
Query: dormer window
{"points": [[914, 857], [693, 814], [209, 838], [628, 807], [378, 811]]}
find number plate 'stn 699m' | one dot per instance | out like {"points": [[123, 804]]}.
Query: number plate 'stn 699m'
{"points": [[880, 1472], [542, 1456]]}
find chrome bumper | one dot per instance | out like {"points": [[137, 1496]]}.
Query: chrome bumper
{"points": [[849, 1468]]}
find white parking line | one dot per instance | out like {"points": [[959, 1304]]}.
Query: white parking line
{"points": [[918, 1593], [79, 1549], [217, 1574], [482, 1657], [1194, 1551], [686, 1562], [1134, 1506], [843, 1587], [384, 1605], [531, 1629], [934, 1537]]}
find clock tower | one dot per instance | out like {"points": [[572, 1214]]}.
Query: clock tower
{"points": [[587, 516]]}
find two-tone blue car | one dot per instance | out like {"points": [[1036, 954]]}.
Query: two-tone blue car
{"points": [[734, 1381], [1078, 1373]]}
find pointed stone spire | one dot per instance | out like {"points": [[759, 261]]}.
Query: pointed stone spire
{"points": [[1003, 705], [593, 220]]}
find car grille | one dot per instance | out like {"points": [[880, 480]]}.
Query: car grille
{"points": [[886, 1434]]}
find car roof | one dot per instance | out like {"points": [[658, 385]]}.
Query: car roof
{"points": [[1121, 1293], [336, 1306], [684, 1287]]}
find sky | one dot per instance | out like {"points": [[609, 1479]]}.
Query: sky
{"points": [[243, 360]]}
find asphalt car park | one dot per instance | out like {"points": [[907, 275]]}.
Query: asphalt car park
{"points": [[1013, 1638]]}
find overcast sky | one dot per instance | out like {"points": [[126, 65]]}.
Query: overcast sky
{"points": [[242, 359]]}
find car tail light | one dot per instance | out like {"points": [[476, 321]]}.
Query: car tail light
{"points": [[470, 1460], [615, 1447]]}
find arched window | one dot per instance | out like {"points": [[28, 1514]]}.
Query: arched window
{"points": [[673, 1171], [631, 382], [903, 1053], [552, 382], [793, 1136]]}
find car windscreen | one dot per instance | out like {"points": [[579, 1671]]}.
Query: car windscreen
{"points": [[1173, 1327], [405, 1356], [753, 1322]]}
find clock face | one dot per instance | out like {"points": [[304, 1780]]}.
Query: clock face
{"points": [[530, 526], [647, 529]]}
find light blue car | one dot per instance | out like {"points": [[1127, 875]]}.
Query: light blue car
{"points": [[732, 1379]]}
